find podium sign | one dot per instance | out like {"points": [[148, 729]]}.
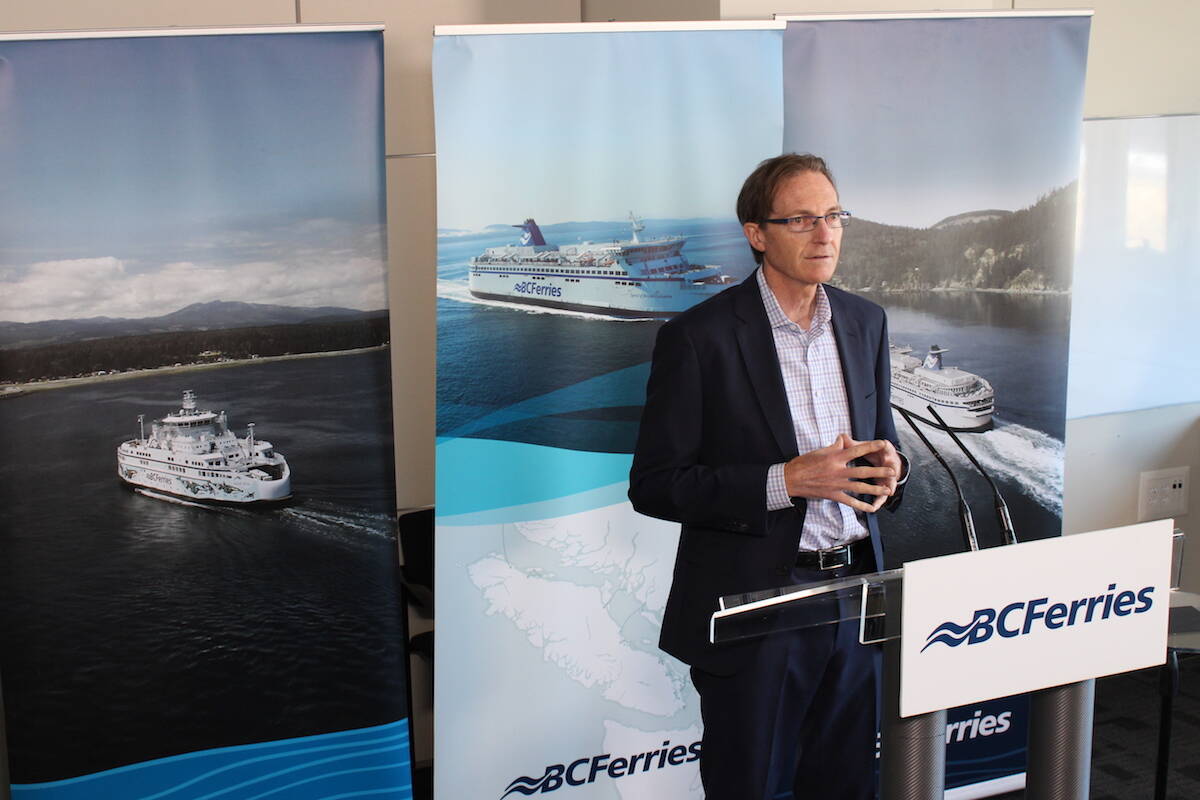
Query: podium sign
{"points": [[1015, 619]]}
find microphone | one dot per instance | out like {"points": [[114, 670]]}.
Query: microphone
{"points": [[1005, 519], [964, 511]]}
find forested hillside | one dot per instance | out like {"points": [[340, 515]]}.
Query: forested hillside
{"points": [[1026, 250]]}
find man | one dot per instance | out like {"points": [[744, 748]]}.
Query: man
{"points": [[756, 404]]}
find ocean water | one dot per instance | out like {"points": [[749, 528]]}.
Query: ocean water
{"points": [[133, 628], [577, 381]]}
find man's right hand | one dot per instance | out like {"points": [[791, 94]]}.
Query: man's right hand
{"points": [[827, 474]]}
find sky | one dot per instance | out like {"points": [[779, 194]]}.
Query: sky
{"points": [[140, 175], [590, 126], [923, 119]]}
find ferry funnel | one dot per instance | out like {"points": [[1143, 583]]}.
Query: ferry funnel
{"points": [[533, 234]]}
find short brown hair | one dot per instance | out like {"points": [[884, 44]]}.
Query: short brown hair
{"points": [[758, 192]]}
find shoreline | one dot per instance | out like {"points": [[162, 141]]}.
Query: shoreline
{"points": [[948, 289], [20, 389]]}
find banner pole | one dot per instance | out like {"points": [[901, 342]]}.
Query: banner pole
{"points": [[5, 790]]}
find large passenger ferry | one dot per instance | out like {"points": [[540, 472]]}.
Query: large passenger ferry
{"points": [[963, 399], [630, 278], [192, 454]]}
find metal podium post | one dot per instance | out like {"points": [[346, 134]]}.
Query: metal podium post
{"points": [[1060, 742], [912, 757]]}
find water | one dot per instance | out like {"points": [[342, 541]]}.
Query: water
{"points": [[134, 628], [495, 360]]}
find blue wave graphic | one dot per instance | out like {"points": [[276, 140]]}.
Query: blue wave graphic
{"points": [[356, 763], [525, 785], [952, 634], [477, 475], [624, 387]]}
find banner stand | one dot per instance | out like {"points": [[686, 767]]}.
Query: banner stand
{"points": [[5, 792]]}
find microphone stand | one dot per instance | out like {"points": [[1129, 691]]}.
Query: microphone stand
{"points": [[964, 511], [1005, 519]]}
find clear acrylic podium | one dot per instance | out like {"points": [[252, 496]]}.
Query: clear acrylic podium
{"points": [[913, 748]]}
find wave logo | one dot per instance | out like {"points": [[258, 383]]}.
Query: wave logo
{"points": [[1024, 616], [528, 786], [589, 768], [952, 634]]}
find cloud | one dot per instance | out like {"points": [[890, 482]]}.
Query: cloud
{"points": [[307, 265]]}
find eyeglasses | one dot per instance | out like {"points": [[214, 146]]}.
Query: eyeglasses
{"points": [[807, 222]]}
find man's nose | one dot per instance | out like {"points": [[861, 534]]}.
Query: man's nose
{"points": [[822, 232]]}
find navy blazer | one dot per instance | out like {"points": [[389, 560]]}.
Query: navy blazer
{"points": [[716, 418]]}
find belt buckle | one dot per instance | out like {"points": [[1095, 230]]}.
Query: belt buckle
{"points": [[838, 557]]}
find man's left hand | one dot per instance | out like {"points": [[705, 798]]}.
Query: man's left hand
{"points": [[885, 457]]}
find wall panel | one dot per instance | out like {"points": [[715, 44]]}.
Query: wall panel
{"points": [[412, 285], [1143, 59], [408, 44], [89, 14]]}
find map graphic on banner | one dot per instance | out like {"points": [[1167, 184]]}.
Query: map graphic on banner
{"points": [[198, 579], [615, 151]]}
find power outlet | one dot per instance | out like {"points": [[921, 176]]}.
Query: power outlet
{"points": [[1163, 494]]}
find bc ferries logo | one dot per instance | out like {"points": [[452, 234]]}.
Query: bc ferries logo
{"points": [[1025, 616], [589, 768]]}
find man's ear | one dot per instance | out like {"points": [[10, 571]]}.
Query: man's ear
{"points": [[754, 236]]}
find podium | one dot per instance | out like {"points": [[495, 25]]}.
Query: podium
{"points": [[913, 739]]}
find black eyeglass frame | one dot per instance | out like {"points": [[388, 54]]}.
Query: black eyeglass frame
{"points": [[834, 219]]}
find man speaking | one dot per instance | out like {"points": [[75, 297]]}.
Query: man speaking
{"points": [[767, 432]]}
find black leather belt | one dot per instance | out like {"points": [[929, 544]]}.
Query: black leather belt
{"points": [[834, 557]]}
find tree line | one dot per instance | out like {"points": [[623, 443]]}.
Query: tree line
{"points": [[121, 353]]}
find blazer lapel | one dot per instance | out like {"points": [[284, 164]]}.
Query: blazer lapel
{"points": [[757, 345], [848, 335]]}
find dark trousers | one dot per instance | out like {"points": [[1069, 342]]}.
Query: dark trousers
{"points": [[801, 716]]}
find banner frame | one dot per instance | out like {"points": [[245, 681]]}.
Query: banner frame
{"points": [[609, 27], [1016, 13], [143, 33]]}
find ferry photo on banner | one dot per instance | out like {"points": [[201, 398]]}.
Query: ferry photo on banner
{"points": [[198, 578], [955, 143], [586, 188]]}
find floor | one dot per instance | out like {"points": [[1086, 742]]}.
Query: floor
{"points": [[1125, 736]]}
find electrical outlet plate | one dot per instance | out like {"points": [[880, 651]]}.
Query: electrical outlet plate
{"points": [[1163, 494]]}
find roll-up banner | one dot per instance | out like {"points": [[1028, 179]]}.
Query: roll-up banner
{"points": [[198, 576], [566, 154], [955, 142]]}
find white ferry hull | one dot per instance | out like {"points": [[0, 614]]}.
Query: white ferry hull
{"points": [[645, 297], [237, 489], [957, 418]]}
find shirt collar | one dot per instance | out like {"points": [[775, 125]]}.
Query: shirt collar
{"points": [[776, 317]]}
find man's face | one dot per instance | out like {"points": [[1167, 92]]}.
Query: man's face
{"points": [[809, 257]]}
